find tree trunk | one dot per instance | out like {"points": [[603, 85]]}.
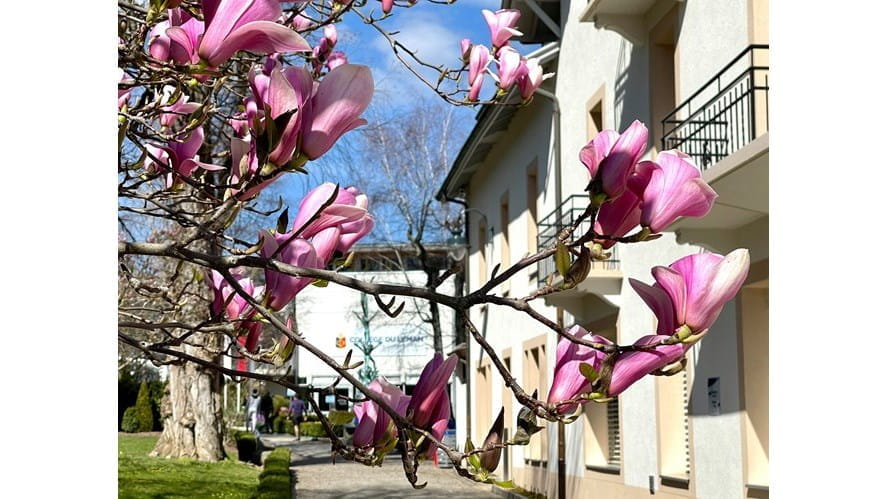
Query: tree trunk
{"points": [[191, 409], [435, 325]]}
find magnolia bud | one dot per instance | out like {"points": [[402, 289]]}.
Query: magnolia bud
{"points": [[489, 458]]}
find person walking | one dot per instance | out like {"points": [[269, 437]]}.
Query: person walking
{"points": [[297, 411], [266, 407], [252, 411]]}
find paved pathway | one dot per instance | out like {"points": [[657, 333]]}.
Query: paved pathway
{"points": [[317, 477]]}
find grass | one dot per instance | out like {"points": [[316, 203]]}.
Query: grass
{"points": [[140, 476]]}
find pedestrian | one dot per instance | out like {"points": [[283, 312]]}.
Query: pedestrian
{"points": [[252, 411], [297, 412], [266, 407]]}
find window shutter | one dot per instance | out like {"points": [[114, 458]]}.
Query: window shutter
{"points": [[614, 455]]}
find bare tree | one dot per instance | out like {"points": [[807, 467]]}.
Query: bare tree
{"points": [[410, 149]]}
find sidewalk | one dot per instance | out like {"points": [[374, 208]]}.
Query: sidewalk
{"points": [[317, 477]]}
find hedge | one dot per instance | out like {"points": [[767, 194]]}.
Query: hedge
{"points": [[246, 446], [275, 480], [312, 429], [283, 424]]}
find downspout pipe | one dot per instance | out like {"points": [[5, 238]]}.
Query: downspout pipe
{"points": [[556, 118]]}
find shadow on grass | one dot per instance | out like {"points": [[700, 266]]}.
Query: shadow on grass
{"points": [[141, 476]]}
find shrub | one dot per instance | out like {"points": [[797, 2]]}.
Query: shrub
{"points": [[340, 418], [279, 401], [283, 424], [246, 445], [144, 414], [275, 480], [312, 429], [130, 423]]}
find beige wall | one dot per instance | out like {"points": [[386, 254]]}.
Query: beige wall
{"points": [[755, 335]]}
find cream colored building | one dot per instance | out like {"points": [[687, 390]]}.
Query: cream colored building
{"points": [[696, 72]]}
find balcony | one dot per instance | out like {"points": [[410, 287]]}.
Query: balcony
{"points": [[598, 294], [724, 128], [726, 114]]}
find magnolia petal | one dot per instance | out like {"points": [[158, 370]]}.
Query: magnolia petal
{"points": [[181, 48], [659, 302], [713, 286], [675, 189], [622, 158], [596, 150], [633, 366], [479, 60], [264, 37], [341, 97], [618, 217], [225, 16], [673, 283]]}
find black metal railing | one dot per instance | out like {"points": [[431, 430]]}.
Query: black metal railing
{"points": [[549, 227], [727, 113]]}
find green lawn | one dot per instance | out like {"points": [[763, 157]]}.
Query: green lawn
{"points": [[141, 476]]}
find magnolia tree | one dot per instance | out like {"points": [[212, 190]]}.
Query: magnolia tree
{"points": [[219, 99]]}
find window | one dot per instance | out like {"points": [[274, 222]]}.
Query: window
{"points": [[505, 255], [532, 210], [663, 52], [754, 337], [601, 424], [483, 403], [594, 118], [509, 419], [536, 378], [673, 399], [481, 252], [505, 250]]}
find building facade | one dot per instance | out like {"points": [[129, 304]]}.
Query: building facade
{"points": [[696, 73], [338, 319]]}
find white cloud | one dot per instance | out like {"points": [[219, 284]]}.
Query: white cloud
{"points": [[430, 40]]}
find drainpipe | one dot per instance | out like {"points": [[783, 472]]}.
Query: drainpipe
{"points": [[558, 199], [556, 119], [457, 320]]}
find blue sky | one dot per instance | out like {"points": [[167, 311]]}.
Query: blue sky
{"points": [[434, 31]]}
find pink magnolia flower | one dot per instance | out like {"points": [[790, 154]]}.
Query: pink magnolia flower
{"points": [[336, 59], [632, 366], [234, 25], [429, 407], [375, 430], [339, 226], [180, 39], [343, 94], [178, 159], [225, 297], [281, 288], [611, 157], [244, 166], [476, 87], [617, 217], [531, 79], [387, 5], [501, 24], [465, 45], [512, 66], [693, 290], [479, 60], [675, 188], [172, 112], [289, 93], [568, 380], [301, 23]]}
